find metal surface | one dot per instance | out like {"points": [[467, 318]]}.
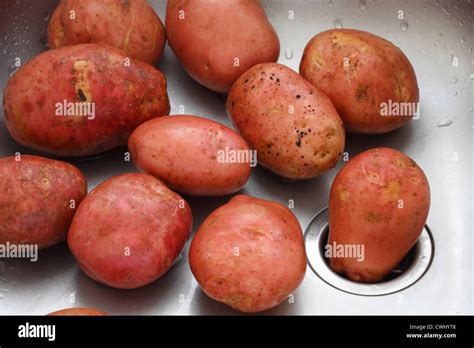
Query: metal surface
{"points": [[438, 35], [407, 273]]}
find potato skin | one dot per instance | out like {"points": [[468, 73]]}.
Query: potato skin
{"points": [[134, 211], [364, 209], [35, 199], [377, 72], [132, 26], [184, 152], [271, 260], [124, 97], [213, 33], [293, 126], [78, 312]]}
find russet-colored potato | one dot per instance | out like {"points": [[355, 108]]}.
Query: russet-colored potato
{"points": [[82, 100], [364, 75], [78, 312], [38, 199], [129, 230], [293, 126], [249, 254], [379, 200], [216, 41], [192, 154], [130, 25]]}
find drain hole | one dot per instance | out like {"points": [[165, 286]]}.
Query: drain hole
{"points": [[403, 266], [408, 272]]}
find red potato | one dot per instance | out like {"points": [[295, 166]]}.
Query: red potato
{"points": [[216, 41], [78, 312], [129, 230], [379, 200], [365, 76], [293, 126], [132, 26], [192, 155], [104, 99], [38, 199], [249, 254]]}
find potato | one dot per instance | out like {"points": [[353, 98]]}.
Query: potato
{"points": [[379, 201], [216, 41], [249, 254], [131, 26], [78, 312], [82, 100], [129, 230], [366, 77], [293, 126], [192, 154], [38, 199]]}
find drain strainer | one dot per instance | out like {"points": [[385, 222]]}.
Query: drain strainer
{"points": [[407, 273]]}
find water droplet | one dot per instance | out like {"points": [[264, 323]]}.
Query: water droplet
{"points": [[289, 53], [338, 23], [445, 10], [454, 80], [363, 4], [403, 25], [463, 133], [471, 109], [46, 17], [471, 76], [1, 296], [461, 40], [422, 51], [445, 122], [330, 2], [455, 93]]}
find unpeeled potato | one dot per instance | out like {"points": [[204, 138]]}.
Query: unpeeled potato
{"points": [[379, 201], [216, 41], [369, 80], [294, 127], [132, 26], [249, 254], [78, 312]]}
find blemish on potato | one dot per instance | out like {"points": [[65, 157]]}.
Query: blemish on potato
{"points": [[318, 60], [391, 190], [80, 70], [361, 93], [344, 195], [372, 216], [373, 176]]}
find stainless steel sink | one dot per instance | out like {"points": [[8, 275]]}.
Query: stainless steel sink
{"points": [[435, 35]]}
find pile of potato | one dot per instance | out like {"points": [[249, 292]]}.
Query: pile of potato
{"points": [[130, 229]]}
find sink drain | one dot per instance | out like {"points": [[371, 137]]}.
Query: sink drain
{"points": [[407, 273]]}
